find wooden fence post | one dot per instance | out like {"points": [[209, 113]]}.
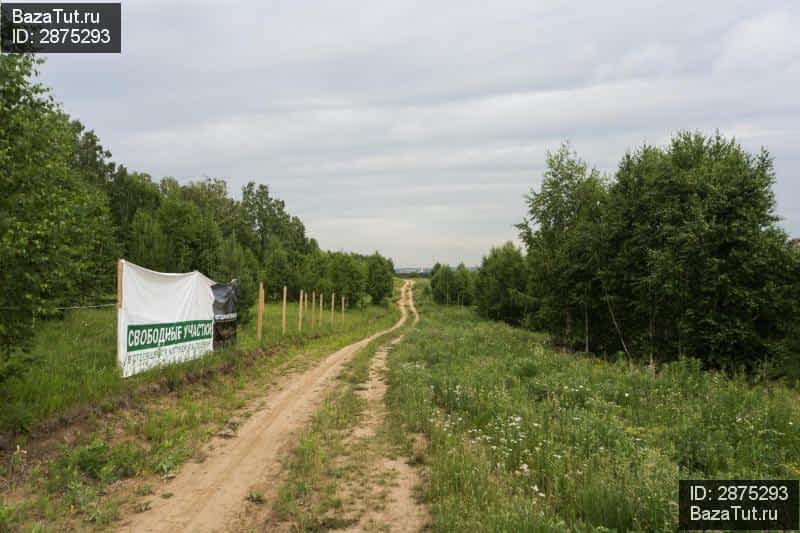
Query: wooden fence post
{"points": [[342, 309], [119, 282], [119, 305], [260, 310], [333, 305], [321, 308], [313, 307], [283, 319]]}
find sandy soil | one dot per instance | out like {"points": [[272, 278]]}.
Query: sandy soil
{"points": [[399, 510], [210, 496]]}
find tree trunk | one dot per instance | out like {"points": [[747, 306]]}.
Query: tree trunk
{"points": [[586, 326], [568, 332], [614, 320], [652, 336]]}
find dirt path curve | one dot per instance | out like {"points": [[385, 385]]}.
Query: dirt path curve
{"points": [[210, 496]]}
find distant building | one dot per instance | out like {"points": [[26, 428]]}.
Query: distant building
{"points": [[407, 271]]}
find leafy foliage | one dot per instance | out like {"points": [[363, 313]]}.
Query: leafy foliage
{"points": [[68, 212], [55, 233], [500, 284], [442, 284], [380, 272], [679, 255], [450, 286]]}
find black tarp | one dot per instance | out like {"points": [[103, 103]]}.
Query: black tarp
{"points": [[225, 314]]}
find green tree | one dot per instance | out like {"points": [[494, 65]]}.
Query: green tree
{"points": [[128, 192], [500, 282], [562, 257], [696, 254], [239, 263], [90, 160], [210, 195], [54, 226], [269, 220], [348, 276], [443, 285], [68, 212], [148, 244], [679, 255], [276, 273], [193, 239], [464, 285], [380, 274]]}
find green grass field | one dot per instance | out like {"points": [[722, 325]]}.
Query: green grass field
{"points": [[525, 438], [167, 416], [76, 359]]}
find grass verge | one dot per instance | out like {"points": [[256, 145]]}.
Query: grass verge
{"points": [[525, 438], [135, 431], [75, 361]]}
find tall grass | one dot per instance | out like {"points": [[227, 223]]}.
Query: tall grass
{"points": [[525, 438], [75, 359], [311, 498], [79, 487]]}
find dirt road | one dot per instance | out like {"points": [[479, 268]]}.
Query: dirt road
{"points": [[390, 481], [210, 496]]}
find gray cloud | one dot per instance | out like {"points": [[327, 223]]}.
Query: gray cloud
{"points": [[417, 128]]}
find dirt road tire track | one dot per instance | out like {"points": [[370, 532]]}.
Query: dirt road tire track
{"points": [[400, 512], [210, 496]]}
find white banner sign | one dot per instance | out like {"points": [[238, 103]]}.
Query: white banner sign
{"points": [[163, 318]]}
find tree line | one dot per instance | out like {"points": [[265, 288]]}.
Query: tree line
{"points": [[679, 254], [68, 212], [452, 286]]}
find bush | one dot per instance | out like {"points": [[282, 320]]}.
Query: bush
{"points": [[680, 255], [500, 284], [380, 273]]}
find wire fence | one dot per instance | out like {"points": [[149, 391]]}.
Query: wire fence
{"points": [[6, 308], [85, 306]]}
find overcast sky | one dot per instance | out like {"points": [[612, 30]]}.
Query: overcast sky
{"points": [[416, 128]]}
